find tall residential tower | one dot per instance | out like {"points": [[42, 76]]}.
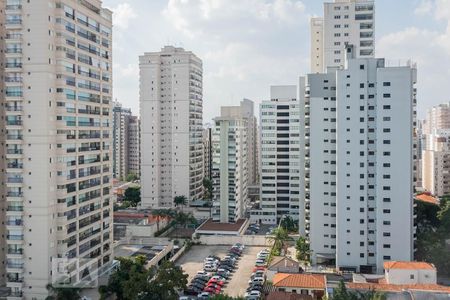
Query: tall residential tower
{"points": [[171, 104], [57, 142], [345, 22]]}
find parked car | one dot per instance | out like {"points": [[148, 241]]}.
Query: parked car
{"points": [[258, 273], [255, 280], [259, 268], [240, 246], [204, 274], [203, 296], [210, 268], [211, 290], [253, 294], [227, 268], [223, 273]]}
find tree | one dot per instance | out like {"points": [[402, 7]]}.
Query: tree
{"points": [[133, 195], [131, 177], [180, 201], [132, 281], [63, 293], [289, 224], [207, 186], [279, 238], [183, 219], [225, 297], [303, 250], [341, 293]]}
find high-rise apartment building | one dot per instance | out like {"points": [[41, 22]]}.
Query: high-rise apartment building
{"points": [[229, 167], [359, 124], [345, 22], [438, 117], [436, 163], [57, 142], [126, 157], [280, 156], [171, 131], [121, 118], [207, 153], [134, 146]]}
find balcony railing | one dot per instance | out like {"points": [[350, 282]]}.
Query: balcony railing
{"points": [[14, 151], [14, 208], [14, 237], [14, 222], [15, 165], [14, 137], [14, 180]]}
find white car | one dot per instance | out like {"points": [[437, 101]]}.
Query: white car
{"points": [[252, 294], [256, 280], [203, 295], [262, 256], [260, 264], [239, 245], [204, 274], [210, 268], [258, 273]]}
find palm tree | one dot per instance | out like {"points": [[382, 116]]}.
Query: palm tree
{"points": [[303, 250], [158, 214], [63, 293], [279, 238], [180, 201]]}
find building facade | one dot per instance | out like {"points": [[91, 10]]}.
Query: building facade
{"points": [[229, 168], [134, 146], [280, 156], [207, 153], [126, 158], [171, 132], [345, 22], [359, 123], [436, 163], [58, 142]]}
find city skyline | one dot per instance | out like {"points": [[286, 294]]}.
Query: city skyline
{"points": [[418, 25]]}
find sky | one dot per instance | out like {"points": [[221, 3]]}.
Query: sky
{"points": [[248, 45]]}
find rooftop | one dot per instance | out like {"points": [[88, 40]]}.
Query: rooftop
{"points": [[427, 199], [216, 226], [277, 295], [281, 261], [408, 265], [312, 281], [384, 287]]}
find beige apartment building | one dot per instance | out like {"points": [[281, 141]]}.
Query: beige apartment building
{"points": [[436, 163], [171, 100], [57, 143]]}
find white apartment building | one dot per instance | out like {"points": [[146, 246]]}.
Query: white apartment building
{"points": [[126, 157], [57, 142], [436, 163], [171, 126], [229, 167], [120, 124], [280, 156], [438, 117], [207, 153], [359, 124], [344, 22], [134, 146]]}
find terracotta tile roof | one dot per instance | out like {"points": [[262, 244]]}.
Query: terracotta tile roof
{"points": [[277, 295], [408, 265], [216, 226], [398, 287], [427, 198], [312, 281]]}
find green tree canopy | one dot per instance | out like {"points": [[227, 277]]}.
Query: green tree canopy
{"points": [[279, 238], [131, 177], [132, 281], [133, 195], [63, 293], [303, 250]]}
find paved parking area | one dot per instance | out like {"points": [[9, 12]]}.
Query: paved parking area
{"points": [[192, 261]]}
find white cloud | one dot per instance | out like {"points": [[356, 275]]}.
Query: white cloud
{"points": [[123, 13], [425, 7], [193, 17], [429, 48]]}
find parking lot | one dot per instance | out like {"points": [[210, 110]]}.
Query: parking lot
{"points": [[192, 261]]}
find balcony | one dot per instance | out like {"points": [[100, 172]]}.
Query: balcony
{"points": [[14, 108], [17, 137], [14, 151], [15, 237], [14, 165], [14, 180], [17, 222], [14, 208]]}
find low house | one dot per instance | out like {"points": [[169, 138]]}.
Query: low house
{"points": [[282, 264], [287, 296], [313, 285], [403, 280], [409, 272]]}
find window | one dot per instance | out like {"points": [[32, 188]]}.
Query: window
{"points": [[386, 95], [386, 107], [386, 246], [361, 67], [386, 83], [411, 276]]}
